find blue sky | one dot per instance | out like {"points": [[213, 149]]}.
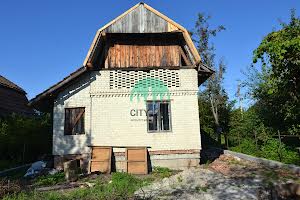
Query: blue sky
{"points": [[43, 41]]}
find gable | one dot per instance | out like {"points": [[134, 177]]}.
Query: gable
{"points": [[139, 20], [174, 50], [142, 18]]}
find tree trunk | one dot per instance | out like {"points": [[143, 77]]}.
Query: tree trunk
{"points": [[214, 110]]}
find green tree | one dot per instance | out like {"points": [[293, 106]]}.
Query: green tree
{"points": [[214, 94], [276, 87]]}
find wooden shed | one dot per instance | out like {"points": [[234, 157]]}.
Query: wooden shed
{"points": [[12, 99]]}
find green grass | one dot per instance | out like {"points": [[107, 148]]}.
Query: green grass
{"points": [[162, 172], [47, 180], [122, 186]]}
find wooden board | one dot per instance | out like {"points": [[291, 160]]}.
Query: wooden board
{"points": [[125, 51], [136, 160], [101, 159]]}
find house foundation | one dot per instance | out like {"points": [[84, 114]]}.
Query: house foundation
{"points": [[172, 159]]}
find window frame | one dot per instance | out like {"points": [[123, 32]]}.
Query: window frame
{"points": [[71, 134], [159, 117]]}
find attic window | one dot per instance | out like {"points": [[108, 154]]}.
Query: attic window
{"points": [[74, 121]]}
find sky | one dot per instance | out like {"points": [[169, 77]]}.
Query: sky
{"points": [[41, 42]]}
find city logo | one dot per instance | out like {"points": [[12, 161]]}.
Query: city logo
{"points": [[150, 86]]}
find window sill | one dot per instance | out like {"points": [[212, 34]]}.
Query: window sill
{"points": [[160, 131]]}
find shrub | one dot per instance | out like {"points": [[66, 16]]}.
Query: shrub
{"points": [[247, 147], [275, 151], [25, 139]]}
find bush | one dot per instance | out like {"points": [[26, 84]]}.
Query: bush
{"points": [[247, 147], [275, 151], [271, 149], [25, 139]]}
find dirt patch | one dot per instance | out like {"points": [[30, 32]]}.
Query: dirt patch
{"points": [[225, 178]]}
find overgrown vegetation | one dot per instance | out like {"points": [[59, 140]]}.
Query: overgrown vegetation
{"points": [[121, 186], [50, 179], [270, 126], [162, 172], [24, 139]]}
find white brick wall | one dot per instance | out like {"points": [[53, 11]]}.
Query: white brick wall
{"points": [[108, 120]]}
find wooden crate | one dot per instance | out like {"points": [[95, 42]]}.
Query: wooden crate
{"points": [[136, 160], [101, 159]]}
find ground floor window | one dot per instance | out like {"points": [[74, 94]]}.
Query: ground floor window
{"points": [[158, 116], [74, 121]]}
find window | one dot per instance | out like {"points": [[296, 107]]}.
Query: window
{"points": [[158, 116], [74, 121]]}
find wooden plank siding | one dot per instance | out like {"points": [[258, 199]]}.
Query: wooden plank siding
{"points": [[142, 56], [147, 50], [143, 19], [139, 20], [13, 101]]}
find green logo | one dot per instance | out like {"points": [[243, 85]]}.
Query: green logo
{"points": [[150, 86]]}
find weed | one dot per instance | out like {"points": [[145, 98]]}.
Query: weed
{"points": [[207, 163], [162, 172], [179, 179], [49, 179], [122, 186], [201, 188]]}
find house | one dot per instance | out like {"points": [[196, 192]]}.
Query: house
{"points": [[137, 88], [12, 99]]}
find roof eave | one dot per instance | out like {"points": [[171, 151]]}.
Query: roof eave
{"points": [[53, 90]]}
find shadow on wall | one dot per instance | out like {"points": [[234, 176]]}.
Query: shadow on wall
{"points": [[73, 144]]}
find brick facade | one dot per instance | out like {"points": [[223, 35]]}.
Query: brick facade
{"points": [[108, 119]]}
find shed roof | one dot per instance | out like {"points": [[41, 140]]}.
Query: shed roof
{"points": [[7, 83]]}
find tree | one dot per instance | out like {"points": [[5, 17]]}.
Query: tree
{"points": [[276, 88], [214, 92]]}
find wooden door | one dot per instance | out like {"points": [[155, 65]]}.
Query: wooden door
{"points": [[136, 160], [101, 159]]}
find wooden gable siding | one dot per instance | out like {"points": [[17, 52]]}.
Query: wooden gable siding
{"points": [[142, 56], [13, 101], [150, 50], [139, 20]]}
